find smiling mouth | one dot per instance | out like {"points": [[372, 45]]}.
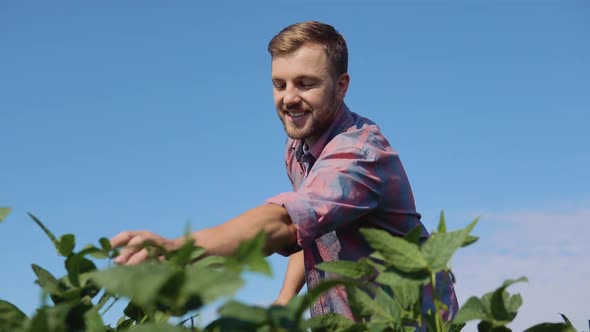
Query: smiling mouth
{"points": [[296, 114]]}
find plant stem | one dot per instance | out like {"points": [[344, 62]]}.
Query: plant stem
{"points": [[110, 306], [103, 299], [437, 315]]}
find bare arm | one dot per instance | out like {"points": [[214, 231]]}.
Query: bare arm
{"points": [[221, 240], [294, 279]]}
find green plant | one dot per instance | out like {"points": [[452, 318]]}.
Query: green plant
{"points": [[384, 290]]}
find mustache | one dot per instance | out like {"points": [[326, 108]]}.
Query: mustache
{"points": [[299, 106]]}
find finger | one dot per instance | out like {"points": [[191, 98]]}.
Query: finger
{"points": [[138, 257], [133, 245], [121, 239]]}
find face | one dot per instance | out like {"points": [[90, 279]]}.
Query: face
{"points": [[306, 93]]}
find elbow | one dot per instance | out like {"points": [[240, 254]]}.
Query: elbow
{"points": [[280, 231]]}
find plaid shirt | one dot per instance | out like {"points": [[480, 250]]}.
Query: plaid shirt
{"points": [[350, 178]]}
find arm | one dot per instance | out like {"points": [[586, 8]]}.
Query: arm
{"points": [[221, 240], [294, 279]]}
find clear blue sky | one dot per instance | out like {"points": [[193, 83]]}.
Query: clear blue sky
{"points": [[147, 115]]}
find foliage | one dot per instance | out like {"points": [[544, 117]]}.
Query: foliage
{"points": [[384, 290]]}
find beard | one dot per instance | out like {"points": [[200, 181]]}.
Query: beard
{"points": [[319, 119]]}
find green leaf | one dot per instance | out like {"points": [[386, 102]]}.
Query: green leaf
{"points": [[4, 212], [393, 277], [56, 318], [512, 304], [208, 284], [162, 317], [11, 317], [93, 322], [76, 265], [68, 295], [566, 320], [105, 244], [503, 306], [124, 324], [442, 225], [283, 317], [348, 269], [377, 256], [440, 247], [94, 252], [251, 255], [184, 255], [251, 314], [47, 281], [473, 309], [397, 252], [141, 283], [67, 243], [233, 324], [455, 327], [362, 305], [97, 253], [406, 287], [469, 240], [489, 327], [169, 296], [329, 322], [551, 327], [209, 262], [46, 231], [39, 322], [414, 235], [509, 282], [380, 326], [407, 295], [358, 327], [157, 327], [134, 311], [388, 304]]}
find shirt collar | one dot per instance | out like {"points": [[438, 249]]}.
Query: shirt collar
{"points": [[341, 121]]}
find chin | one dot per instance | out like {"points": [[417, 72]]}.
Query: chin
{"points": [[293, 135], [297, 133]]}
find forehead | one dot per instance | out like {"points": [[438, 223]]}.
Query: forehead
{"points": [[308, 60]]}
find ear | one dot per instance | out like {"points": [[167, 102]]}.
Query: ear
{"points": [[342, 85]]}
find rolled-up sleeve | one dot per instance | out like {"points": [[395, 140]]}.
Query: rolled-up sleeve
{"points": [[341, 187]]}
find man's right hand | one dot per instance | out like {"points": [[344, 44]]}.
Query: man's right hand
{"points": [[132, 243]]}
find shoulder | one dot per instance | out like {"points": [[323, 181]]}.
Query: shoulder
{"points": [[363, 137]]}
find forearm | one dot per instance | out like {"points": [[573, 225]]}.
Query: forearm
{"points": [[294, 278], [225, 239]]}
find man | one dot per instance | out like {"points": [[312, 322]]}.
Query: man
{"points": [[344, 173]]}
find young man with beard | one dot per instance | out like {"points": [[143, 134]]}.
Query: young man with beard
{"points": [[344, 173]]}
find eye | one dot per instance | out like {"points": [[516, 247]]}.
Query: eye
{"points": [[307, 84], [278, 85]]}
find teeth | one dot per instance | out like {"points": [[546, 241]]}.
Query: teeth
{"points": [[296, 115]]}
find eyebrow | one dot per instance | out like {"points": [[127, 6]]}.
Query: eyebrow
{"points": [[300, 77]]}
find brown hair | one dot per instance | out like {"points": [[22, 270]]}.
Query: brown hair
{"points": [[294, 36]]}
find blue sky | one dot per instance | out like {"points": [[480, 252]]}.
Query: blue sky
{"points": [[151, 115]]}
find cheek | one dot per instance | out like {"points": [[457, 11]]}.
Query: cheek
{"points": [[277, 99], [316, 100]]}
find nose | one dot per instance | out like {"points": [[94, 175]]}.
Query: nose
{"points": [[291, 95]]}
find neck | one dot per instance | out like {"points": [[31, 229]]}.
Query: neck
{"points": [[311, 140]]}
